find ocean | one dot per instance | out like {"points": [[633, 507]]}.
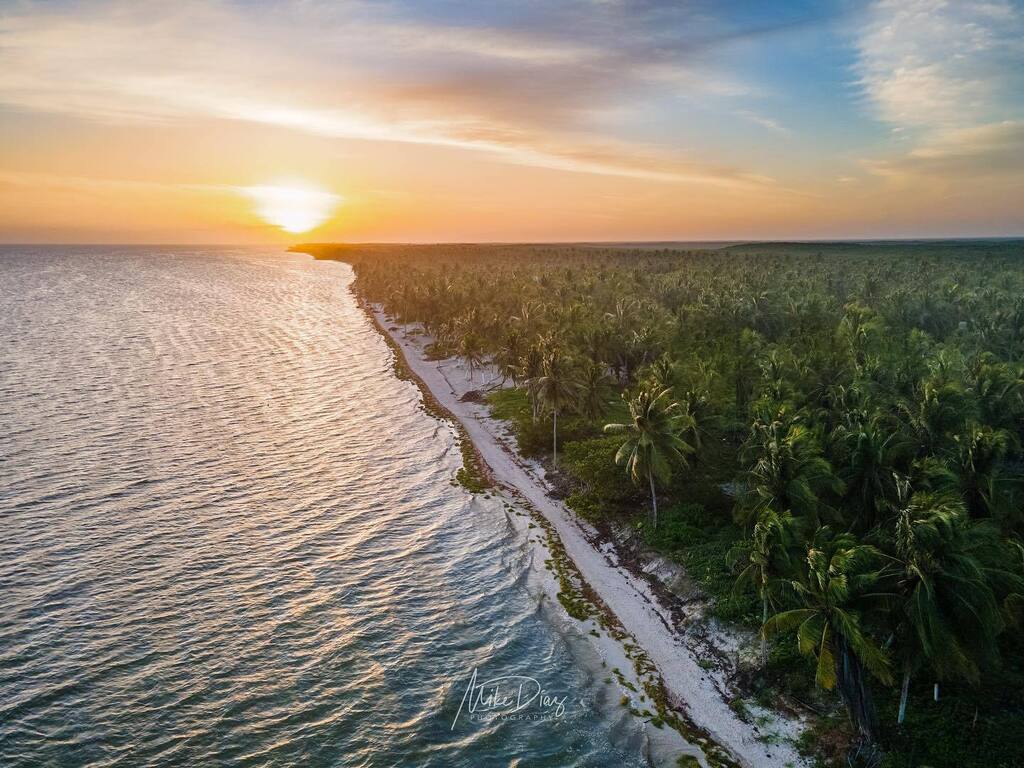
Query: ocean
{"points": [[230, 535]]}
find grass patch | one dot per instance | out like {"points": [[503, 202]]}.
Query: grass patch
{"points": [[701, 543]]}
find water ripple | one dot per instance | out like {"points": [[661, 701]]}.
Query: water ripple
{"points": [[230, 536]]}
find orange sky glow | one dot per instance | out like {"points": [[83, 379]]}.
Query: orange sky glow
{"points": [[224, 122]]}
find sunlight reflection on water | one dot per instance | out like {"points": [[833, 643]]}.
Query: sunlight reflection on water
{"points": [[230, 535]]}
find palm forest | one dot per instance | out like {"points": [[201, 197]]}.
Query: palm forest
{"points": [[827, 437]]}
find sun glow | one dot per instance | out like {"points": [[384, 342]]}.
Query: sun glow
{"points": [[293, 208]]}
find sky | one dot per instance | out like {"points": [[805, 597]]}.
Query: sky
{"points": [[212, 121]]}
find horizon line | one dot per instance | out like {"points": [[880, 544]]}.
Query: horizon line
{"points": [[709, 241]]}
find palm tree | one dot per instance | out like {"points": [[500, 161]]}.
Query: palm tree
{"points": [[556, 389], [653, 443], [697, 405], [948, 615], [938, 410], [837, 587], [789, 471], [766, 555], [872, 455], [509, 354], [529, 371], [997, 389], [663, 373], [858, 330], [977, 458], [471, 349], [745, 372], [593, 389]]}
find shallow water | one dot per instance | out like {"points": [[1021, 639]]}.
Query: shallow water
{"points": [[229, 534]]}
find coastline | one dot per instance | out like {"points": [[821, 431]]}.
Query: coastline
{"points": [[688, 693]]}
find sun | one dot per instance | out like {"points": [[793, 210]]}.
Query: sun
{"points": [[293, 208]]}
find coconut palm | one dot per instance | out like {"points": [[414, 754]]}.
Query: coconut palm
{"points": [[471, 350], [948, 616], [593, 390], [529, 372], [556, 389], [859, 329], [653, 442], [696, 404], [788, 471], [509, 354], [977, 459], [765, 557], [839, 584], [998, 390], [873, 455], [938, 410], [663, 373], [745, 368]]}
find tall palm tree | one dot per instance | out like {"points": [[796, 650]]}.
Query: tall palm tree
{"points": [[529, 370], [746, 371], [765, 557], [948, 615], [653, 442], [509, 354], [556, 389], [697, 404], [472, 351], [839, 584]]}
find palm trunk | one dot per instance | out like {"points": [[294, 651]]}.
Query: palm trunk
{"points": [[904, 695], [554, 437], [853, 687], [654, 498], [764, 620]]}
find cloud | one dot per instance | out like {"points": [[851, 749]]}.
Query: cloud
{"points": [[947, 77], [995, 149], [935, 63], [765, 122], [526, 89]]}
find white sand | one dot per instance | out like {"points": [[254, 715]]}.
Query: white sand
{"points": [[701, 693]]}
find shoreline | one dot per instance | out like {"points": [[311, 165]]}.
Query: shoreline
{"points": [[690, 695]]}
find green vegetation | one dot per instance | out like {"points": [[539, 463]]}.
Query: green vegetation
{"points": [[833, 435], [653, 440]]}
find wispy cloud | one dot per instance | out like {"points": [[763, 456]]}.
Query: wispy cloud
{"points": [[525, 92], [994, 149], [947, 76], [765, 122]]}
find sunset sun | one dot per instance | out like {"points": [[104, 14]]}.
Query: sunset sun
{"points": [[293, 208]]}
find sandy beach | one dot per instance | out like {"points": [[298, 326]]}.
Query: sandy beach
{"points": [[694, 687]]}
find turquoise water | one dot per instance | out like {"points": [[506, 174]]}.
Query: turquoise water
{"points": [[230, 535]]}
